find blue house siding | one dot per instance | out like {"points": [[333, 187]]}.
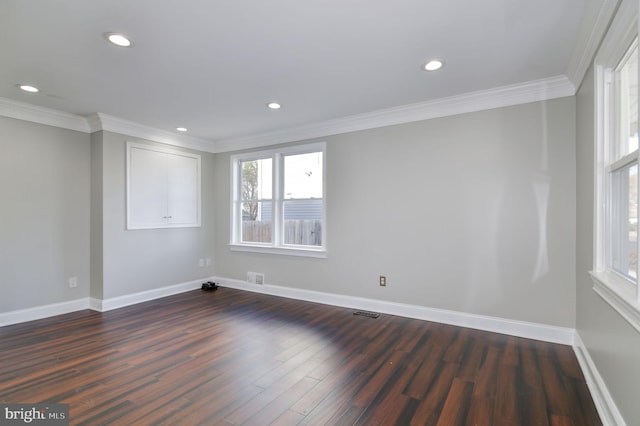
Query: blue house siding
{"points": [[299, 210]]}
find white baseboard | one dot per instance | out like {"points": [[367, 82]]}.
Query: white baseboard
{"points": [[39, 312], [498, 325], [144, 296], [95, 304], [607, 408], [100, 305], [524, 329]]}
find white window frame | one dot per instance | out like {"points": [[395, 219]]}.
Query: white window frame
{"points": [[276, 246], [620, 292]]}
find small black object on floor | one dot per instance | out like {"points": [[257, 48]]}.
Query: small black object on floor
{"points": [[209, 286], [367, 314]]}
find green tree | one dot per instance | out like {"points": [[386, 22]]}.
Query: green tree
{"points": [[250, 189]]}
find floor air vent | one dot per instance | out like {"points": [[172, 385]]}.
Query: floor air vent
{"points": [[367, 314]]}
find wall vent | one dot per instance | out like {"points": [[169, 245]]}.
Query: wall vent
{"points": [[255, 278]]}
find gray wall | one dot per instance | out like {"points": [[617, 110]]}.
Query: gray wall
{"points": [[44, 214], [141, 260], [473, 213], [613, 344], [63, 215]]}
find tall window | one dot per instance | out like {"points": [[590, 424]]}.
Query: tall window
{"points": [[622, 166], [615, 273], [278, 200]]}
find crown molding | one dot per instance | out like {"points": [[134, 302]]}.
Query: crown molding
{"points": [[41, 115], [96, 122], [516, 94], [586, 47], [532, 91], [99, 121], [619, 36]]}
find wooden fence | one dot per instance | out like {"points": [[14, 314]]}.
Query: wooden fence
{"points": [[298, 232]]}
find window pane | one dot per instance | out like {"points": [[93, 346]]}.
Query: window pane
{"points": [[628, 103], [278, 199], [256, 178], [303, 175], [624, 220], [303, 222], [257, 221]]}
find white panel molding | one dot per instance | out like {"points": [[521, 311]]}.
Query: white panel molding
{"points": [[45, 311], [595, 27], [41, 115], [524, 329], [532, 91], [99, 121], [145, 160], [145, 296], [606, 406]]}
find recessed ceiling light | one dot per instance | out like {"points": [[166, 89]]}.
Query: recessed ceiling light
{"points": [[433, 65], [118, 39], [28, 88], [181, 129], [273, 105]]}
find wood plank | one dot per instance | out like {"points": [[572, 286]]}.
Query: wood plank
{"points": [[507, 410], [288, 418], [233, 357], [480, 410], [429, 409], [281, 404], [457, 403]]}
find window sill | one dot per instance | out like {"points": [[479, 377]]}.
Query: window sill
{"points": [[300, 252], [619, 294]]}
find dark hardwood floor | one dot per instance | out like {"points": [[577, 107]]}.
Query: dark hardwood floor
{"points": [[233, 357]]}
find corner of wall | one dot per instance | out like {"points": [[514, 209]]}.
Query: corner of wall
{"points": [[96, 240], [606, 406]]}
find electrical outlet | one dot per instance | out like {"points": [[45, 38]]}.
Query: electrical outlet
{"points": [[208, 261], [383, 281], [73, 282], [201, 263]]}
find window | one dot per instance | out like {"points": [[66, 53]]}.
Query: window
{"points": [[278, 201], [615, 273], [163, 187]]}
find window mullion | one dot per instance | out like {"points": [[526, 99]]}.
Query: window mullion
{"points": [[236, 220], [277, 200], [623, 162]]}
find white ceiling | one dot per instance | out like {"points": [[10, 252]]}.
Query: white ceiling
{"points": [[211, 66]]}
